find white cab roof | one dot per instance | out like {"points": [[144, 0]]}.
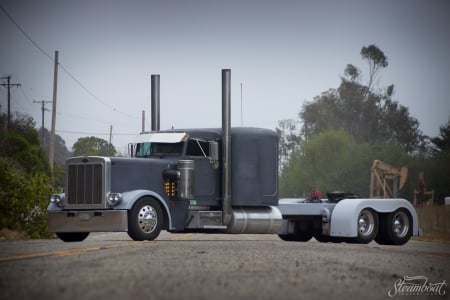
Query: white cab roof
{"points": [[162, 137]]}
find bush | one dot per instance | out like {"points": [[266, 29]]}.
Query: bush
{"points": [[25, 185], [23, 199]]}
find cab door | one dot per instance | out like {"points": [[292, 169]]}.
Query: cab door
{"points": [[206, 173]]}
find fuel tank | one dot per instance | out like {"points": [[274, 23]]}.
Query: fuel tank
{"points": [[255, 220]]}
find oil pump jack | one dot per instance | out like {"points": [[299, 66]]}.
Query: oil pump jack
{"points": [[386, 181]]}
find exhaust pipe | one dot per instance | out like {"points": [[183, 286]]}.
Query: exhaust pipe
{"points": [[226, 145], [155, 103]]}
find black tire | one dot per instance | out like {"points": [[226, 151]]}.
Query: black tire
{"points": [[381, 235], [72, 236], [145, 220], [367, 226], [296, 237], [303, 236], [322, 238], [302, 233], [287, 237], [335, 239], [395, 228]]}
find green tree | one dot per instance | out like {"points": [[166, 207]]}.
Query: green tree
{"points": [[289, 138], [367, 115], [21, 143], [352, 72], [93, 146], [441, 143], [376, 60], [344, 129], [24, 178], [333, 160], [61, 151], [329, 161], [436, 167], [438, 177], [60, 155]]}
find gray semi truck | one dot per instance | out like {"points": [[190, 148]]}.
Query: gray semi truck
{"points": [[218, 180]]}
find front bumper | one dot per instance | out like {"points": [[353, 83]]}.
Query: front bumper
{"points": [[87, 221]]}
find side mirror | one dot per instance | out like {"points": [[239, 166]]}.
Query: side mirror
{"points": [[131, 150], [214, 152]]}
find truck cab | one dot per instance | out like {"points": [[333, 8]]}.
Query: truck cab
{"points": [[180, 173]]}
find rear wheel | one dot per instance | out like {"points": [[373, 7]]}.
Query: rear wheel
{"points": [[287, 237], [296, 237], [381, 237], [72, 236], [303, 233], [322, 238], [145, 220], [367, 226], [395, 228]]}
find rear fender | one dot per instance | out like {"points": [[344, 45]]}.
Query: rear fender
{"points": [[344, 218]]}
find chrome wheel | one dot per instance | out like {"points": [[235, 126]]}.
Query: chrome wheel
{"points": [[396, 228], [400, 224], [147, 219], [367, 226], [366, 223]]}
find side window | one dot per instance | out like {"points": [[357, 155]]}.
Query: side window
{"points": [[142, 149], [197, 148]]}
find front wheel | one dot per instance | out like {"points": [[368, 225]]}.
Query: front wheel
{"points": [[145, 220], [72, 236]]}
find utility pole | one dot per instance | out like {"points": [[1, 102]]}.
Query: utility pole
{"points": [[242, 117], [8, 85], [143, 121], [110, 140], [52, 136], [42, 128]]}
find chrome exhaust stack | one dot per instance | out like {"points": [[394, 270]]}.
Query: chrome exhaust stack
{"points": [[250, 220], [226, 146], [155, 103]]}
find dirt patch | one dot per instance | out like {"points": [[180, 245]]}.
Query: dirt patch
{"points": [[441, 237], [12, 235]]}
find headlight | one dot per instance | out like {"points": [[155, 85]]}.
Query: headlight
{"points": [[114, 198], [57, 199]]}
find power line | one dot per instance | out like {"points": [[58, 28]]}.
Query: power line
{"points": [[94, 133], [78, 82], [24, 33], [104, 122], [91, 93], [81, 118]]}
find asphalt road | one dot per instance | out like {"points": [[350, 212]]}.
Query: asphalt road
{"points": [[200, 266]]}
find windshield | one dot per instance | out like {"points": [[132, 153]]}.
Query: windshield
{"points": [[147, 149]]}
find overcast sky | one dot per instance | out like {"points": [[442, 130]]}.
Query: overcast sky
{"points": [[283, 52]]}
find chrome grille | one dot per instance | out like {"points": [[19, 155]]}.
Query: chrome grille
{"points": [[85, 184]]}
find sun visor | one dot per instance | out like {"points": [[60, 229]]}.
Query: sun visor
{"points": [[162, 137]]}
